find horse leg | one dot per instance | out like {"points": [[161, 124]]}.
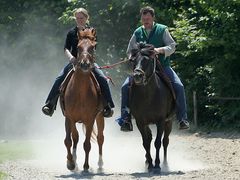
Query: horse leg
{"points": [[100, 137], [157, 143], [75, 138], [167, 131], [87, 145], [68, 144], [147, 138]]}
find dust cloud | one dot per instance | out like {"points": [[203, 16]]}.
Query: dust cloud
{"points": [[122, 153]]}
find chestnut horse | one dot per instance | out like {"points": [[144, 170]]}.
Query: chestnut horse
{"points": [[151, 101], [82, 101]]}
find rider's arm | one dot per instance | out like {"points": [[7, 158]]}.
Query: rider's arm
{"points": [[170, 44], [68, 47], [69, 55], [131, 45]]}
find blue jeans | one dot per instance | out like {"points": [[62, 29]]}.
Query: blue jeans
{"points": [[178, 89], [99, 76]]}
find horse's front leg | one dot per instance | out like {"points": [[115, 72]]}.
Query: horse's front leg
{"points": [[100, 137], [147, 138], [87, 145], [68, 144], [167, 131], [157, 144], [75, 138]]}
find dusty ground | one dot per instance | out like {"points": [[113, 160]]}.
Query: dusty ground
{"points": [[191, 156]]}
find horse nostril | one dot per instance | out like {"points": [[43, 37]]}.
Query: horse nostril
{"points": [[85, 65], [138, 75]]}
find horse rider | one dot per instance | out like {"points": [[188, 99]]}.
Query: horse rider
{"points": [[70, 50], [158, 35]]}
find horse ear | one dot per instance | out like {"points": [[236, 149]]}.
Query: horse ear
{"points": [[94, 33]]}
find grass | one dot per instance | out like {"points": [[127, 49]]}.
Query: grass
{"points": [[13, 150], [2, 175]]}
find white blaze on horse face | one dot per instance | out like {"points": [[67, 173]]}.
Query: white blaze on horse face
{"points": [[84, 57], [138, 66]]}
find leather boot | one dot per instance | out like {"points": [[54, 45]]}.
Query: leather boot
{"points": [[107, 111], [184, 124], [50, 106], [127, 124]]}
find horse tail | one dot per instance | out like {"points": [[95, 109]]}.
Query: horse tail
{"points": [[94, 132]]}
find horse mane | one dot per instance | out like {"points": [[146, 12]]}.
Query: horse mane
{"points": [[142, 49], [88, 33]]}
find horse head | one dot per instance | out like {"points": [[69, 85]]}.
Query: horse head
{"points": [[86, 48], [144, 61]]}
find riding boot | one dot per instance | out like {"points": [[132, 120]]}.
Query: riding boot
{"points": [[184, 124], [50, 106], [107, 111], [127, 124]]}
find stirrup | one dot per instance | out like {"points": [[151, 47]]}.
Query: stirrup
{"points": [[47, 110], [127, 123], [127, 126], [107, 112], [184, 124]]}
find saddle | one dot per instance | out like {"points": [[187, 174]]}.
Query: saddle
{"points": [[65, 83]]}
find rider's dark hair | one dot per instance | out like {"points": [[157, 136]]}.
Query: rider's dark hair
{"points": [[146, 10]]}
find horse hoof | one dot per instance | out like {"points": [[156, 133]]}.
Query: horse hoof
{"points": [[100, 163], [150, 167], [86, 167], [157, 170], [70, 165]]}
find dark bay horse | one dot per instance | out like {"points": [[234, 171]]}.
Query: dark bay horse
{"points": [[151, 102], [82, 102]]}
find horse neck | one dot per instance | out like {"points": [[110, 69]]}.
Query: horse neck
{"points": [[149, 88], [82, 80], [152, 82]]}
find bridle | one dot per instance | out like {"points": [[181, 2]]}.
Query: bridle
{"points": [[145, 78], [87, 54]]}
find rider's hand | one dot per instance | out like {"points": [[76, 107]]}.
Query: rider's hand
{"points": [[73, 60], [159, 51]]}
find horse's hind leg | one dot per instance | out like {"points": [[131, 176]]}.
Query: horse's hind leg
{"points": [[100, 137], [157, 143], [68, 144], [87, 145], [167, 131]]}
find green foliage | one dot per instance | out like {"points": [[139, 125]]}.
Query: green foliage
{"points": [[207, 32]]}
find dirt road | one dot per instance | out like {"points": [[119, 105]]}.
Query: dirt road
{"points": [[191, 156]]}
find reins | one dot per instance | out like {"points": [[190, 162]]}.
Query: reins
{"points": [[113, 65], [154, 71]]}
